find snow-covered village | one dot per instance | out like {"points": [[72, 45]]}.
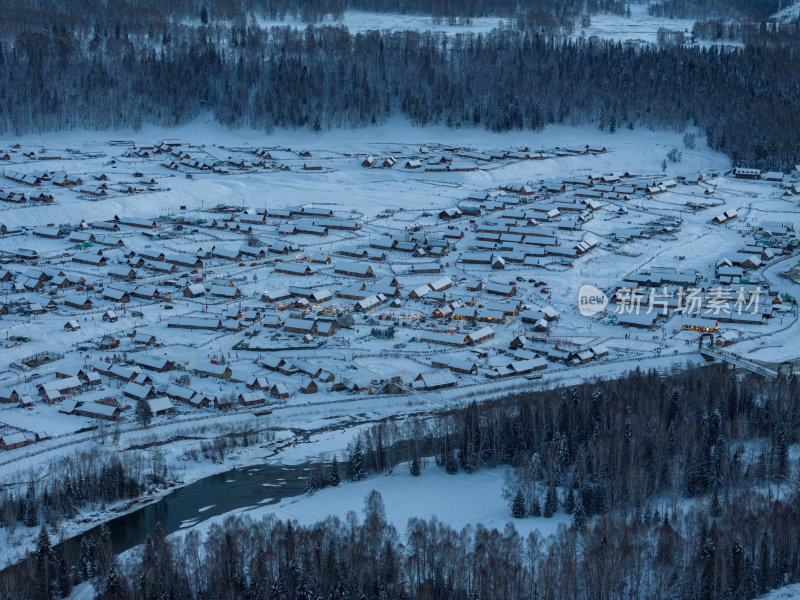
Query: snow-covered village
{"points": [[352, 300], [240, 278]]}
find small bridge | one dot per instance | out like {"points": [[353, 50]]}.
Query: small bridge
{"points": [[742, 362]]}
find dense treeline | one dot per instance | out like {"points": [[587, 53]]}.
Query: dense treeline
{"points": [[86, 480], [95, 479], [52, 570], [714, 9], [750, 33], [612, 445], [483, 8], [143, 16], [505, 80], [621, 445], [753, 545], [750, 546]]}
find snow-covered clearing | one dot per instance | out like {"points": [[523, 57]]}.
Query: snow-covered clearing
{"points": [[788, 13], [359, 22], [457, 500], [639, 27]]}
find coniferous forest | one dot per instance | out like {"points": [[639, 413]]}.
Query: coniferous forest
{"points": [[715, 9], [139, 15], [135, 66]]}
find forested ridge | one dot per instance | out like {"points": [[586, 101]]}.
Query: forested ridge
{"points": [[140, 15], [769, 34], [750, 547], [746, 101], [715, 9], [626, 445]]}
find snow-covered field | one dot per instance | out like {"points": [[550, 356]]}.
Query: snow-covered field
{"points": [[790, 592], [788, 13], [638, 27], [359, 22], [456, 500]]}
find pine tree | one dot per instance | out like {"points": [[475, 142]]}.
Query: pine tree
{"points": [[288, 539], [111, 585], [143, 413], [44, 565], [62, 574], [536, 507], [335, 477], [414, 468], [569, 502], [578, 515], [30, 515], [736, 567], [716, 506], [87, 556], [450, 462], [380, 450], [67, 497], [311, 485], [355, 467], [518, 505], [402, 594], [204, 15], [675, 406], [765, 562], [470, 439], [708, 553], [103, 551], [317, 124], [278, 590], [550, 501], [781, 451]]}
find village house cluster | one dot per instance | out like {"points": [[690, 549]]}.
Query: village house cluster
{"points": [[230, 306]]}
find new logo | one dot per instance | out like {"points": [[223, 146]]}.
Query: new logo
{"points": [[591, 300]]}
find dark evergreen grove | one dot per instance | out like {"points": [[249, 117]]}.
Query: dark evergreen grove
{"points": [[746, 101], [747, 549], [625, 445], [768, 34], [751, 546], [83, 482], [715, 9], [141, 16]]}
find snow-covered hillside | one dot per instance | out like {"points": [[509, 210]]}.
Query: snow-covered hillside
{"points": [[788, 13]]}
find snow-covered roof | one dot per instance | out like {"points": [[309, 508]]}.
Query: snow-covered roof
{"points": [[95, 408], [158, 405]]}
